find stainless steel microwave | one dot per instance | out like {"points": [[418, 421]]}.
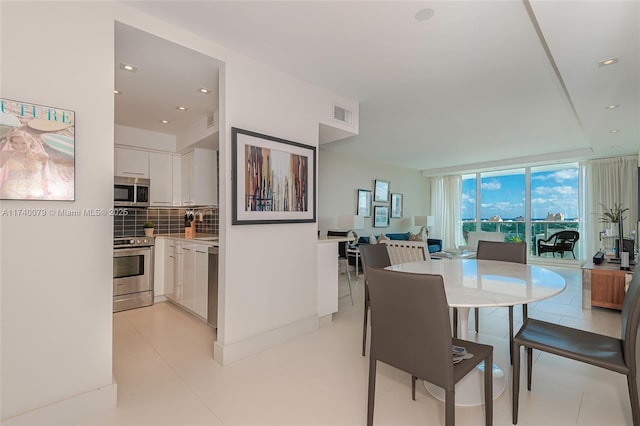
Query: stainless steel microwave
{"points": [[131, 192]]}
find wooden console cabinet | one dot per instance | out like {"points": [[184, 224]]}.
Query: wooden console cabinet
{"points": [[604, 285]]}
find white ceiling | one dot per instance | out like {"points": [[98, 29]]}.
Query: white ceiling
{"points": [[168, 75], [481, 83]]}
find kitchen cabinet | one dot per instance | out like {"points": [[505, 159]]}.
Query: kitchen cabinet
{"points": [[131, 162], [199, 178], [176, 175], [176, 295], [161, 175], [201, 280], [186, 273], [168, 265], [188, 276]]}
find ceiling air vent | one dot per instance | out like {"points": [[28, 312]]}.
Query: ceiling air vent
{"points": [[210, 120], [342, 114]]}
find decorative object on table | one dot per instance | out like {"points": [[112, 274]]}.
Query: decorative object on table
{"points": [[396, 206], [380, 216], [612, 215], [381, 191], [622, 250], [37, 152], [274, 180], [364, 203], [148, 228], [425, 222]]}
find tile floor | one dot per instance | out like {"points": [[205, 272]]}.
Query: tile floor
{"points": [[166, 376]]}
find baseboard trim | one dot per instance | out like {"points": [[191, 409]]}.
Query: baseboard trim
{"points": [[226, 354], [67, 411], [325, 319]]}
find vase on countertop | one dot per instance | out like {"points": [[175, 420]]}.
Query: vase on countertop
{"points": [[148, 232]]}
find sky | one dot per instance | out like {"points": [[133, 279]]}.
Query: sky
{"points": [[554, 191]]}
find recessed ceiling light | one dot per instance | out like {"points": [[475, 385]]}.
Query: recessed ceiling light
{"points": [[424, 14], [609, 61], [117, 92], [204, 90], [164, 121], [614, 130], [128, 67], [612, 106], [182, 108]]}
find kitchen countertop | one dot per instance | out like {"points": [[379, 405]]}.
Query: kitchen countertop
{"points": [[201, 238]]}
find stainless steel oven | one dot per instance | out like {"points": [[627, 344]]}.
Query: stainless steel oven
{"points": [[132, 272]]}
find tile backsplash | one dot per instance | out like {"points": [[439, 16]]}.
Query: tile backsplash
{"points": [[166, 221]]}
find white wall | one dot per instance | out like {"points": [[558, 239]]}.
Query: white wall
{"points": [[145, 139], [56, 290], [267, 272], [56, 272], [340, 176]]}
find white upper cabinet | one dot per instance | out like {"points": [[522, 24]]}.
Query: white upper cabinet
{"points": [[131, 163], [200, 178], [161, 175], [176, 180]]}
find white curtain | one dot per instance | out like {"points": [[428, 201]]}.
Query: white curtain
{"points": [[607, 182], [446, 199]]}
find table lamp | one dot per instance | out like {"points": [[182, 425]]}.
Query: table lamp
{"points": [[425, 222], [351, 223]]}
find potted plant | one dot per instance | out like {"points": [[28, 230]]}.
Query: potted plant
{"points": [[148, 228], [612, 215]]}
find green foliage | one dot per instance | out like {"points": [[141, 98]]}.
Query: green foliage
{"points": [[611, 215], [515, 239], [148, 224]]}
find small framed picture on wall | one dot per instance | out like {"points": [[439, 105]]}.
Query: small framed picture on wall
{"points": [[381, 191], [396, 206], [364, 203], [380, 216]]}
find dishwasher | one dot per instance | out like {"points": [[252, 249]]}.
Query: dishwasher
{"points": [[212, 307]]}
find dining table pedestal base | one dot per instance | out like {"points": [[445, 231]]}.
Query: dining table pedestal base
{"points": [[470, 390]]}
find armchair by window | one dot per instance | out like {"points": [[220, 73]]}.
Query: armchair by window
{"points": [[559, 243]]}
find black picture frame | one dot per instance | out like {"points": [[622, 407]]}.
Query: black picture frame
{"points": [[364, 203], [380, 216], [274, 179], [381, 191], [396, 205]]}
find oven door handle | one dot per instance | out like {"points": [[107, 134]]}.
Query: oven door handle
{"points": [[120, 252]]}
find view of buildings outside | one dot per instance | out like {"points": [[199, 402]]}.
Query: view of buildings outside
{"points": [[503, 199]]}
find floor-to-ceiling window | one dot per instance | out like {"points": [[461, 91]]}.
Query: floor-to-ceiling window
{"points": [[526, 204]]}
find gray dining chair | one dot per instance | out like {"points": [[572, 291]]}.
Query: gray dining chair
{"points": [[505, 252], [410, 330], [602, 351], [375, 255]]}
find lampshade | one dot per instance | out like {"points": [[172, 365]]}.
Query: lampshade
{"points": [[351, 222], [430, 220], [420, 220]]}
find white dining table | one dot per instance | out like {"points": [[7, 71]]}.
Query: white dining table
{"points": [[473, 283]]}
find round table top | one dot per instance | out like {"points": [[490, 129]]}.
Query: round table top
{"points": [[476, 283]]}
